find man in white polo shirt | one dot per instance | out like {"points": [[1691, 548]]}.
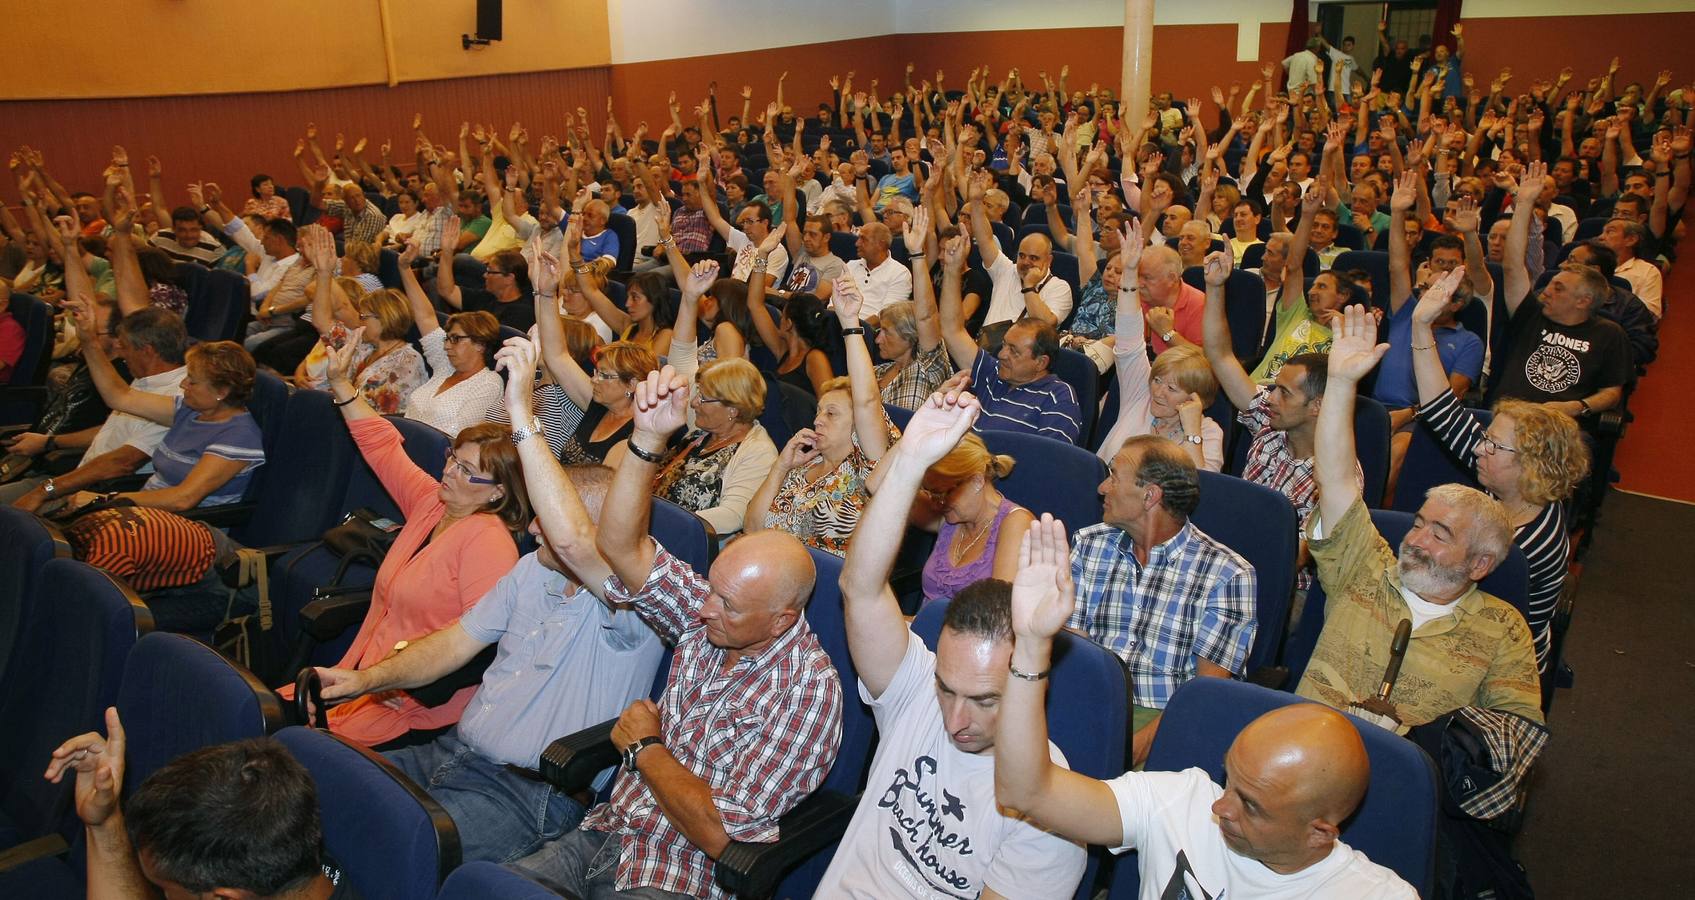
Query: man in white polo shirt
{"points": [[882, 281], [1025, 288]]}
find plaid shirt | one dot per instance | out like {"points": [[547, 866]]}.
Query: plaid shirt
{"points": [[1194, 598], [914, 384], [429, 230], [762, 734], [1271, 463], [362, 226], [691, 230]]}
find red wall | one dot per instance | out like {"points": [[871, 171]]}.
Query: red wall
{"points": [[229, 137]]}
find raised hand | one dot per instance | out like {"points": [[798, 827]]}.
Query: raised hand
{"points": [[772, 241], [1190, 413], [700, 278], [847, 301], [318, 246], [1131, 246], [1042, 591], [1217, 267], [939, 423], [99, 766], [1531, 185], [956, 251], [661, 403], [339, 360], [1436, 296], [1406, 192], [1465, 218], [1354, 352], [545, 272]]}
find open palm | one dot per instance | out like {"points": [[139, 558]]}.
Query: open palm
{"points": [[1042, 594], [1355, 350]]}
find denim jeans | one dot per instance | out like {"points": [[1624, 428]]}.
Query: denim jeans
{"points": [[586, 864], [502, 816]]}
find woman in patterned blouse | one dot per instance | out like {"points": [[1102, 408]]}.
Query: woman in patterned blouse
{"points": [[387, 369], [726, 453], [817, 489]]}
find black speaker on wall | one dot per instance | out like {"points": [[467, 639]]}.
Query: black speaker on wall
{"points": [[488, 19]]}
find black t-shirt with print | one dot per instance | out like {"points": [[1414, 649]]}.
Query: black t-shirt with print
{"points": [[1549, 362]]}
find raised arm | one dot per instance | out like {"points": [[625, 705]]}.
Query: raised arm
{"points": [[1400, 257], [756, 308], [1353, 354], [877, 633], [1514, 272], [1432, 379], [118, 395], [961, 346], [868, 413], [921, 249], [709, 195], [1220, 353], [446, 288], [1026, 777], [1465, 223]]}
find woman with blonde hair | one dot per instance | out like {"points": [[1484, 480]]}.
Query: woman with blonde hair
{"points": [[387, 369], [1530, 457], [726, 453], [978, 529]]}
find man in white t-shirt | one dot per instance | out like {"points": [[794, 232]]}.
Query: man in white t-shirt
{"points": [[882, 281], [1293, 776], [929, 825], [1027, 287], [752, 226]]}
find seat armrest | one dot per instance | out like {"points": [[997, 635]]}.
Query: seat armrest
{"points": [[571, 763], [1610, 423], [753, 870], [58, 462], [333, 611]]}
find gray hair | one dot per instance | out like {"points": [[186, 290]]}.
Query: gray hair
{"points": [[902, 318], [1491, 528]]}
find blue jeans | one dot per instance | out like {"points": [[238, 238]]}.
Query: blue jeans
{"points": [[501, 815], [586, 864]]}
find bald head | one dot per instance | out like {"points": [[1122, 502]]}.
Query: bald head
{"points": [[774, 564], [1314, 753]]}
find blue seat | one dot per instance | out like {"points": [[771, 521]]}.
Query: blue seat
{"points": [[1428, 463], [1244, 309], [1371, 445], [219, 303], [1510, 581], [788, 409], [179, 695], [482, 880], [625, 228], [1064, 266], [1258, 523], [468, 271], [299, 489], [1037, 213], [1080, 372], [1092, 735], [300, 208], [71, 651], [1349, 236], [1376, 262], [388, 268], [1051, 476], [844, 244], [1396, 823], [1040, 228], [686, 535], [26, 544], [23, 395], [1005, 237], [390, 838], [1588, 228]]}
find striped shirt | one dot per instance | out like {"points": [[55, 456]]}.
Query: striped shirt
{"points": [[429, 230], [1046, 406], [762, 734], [1193, 600], [363, 226], [691, 230], [1543, 539], [190, 437], [207, 252]]}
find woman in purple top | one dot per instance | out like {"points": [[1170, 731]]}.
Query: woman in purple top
{"points": [[978, 528]]}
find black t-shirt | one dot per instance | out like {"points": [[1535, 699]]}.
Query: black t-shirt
{"points": [[1549, 362], [519, 314]]}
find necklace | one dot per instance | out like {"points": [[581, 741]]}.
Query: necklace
{"points": [[959, 554]]}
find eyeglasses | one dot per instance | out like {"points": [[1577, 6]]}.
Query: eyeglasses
{"points": [[607, 376], [1494, 446], [454, 464], [703, 399], [368, 316], [496, 272], [938, 496], [458, 338]]}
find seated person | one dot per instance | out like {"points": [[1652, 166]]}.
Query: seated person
{"points": [[935, 713], [750, 720], [817, 489], [1559, 351], [804, 333], [1530, 457], [1168, 398], [386, 367], [151, 343], [881, 279], [1304, 317], [1468, 648], [750, 230], [1293, 776], [237, 819], [456, 544], [1027, 287], [1016, 388], [726, 454], [506, 290], [1172, 306], [649, 315], [1153, 588], [462, 388], [1623, 306], [567, 660]]}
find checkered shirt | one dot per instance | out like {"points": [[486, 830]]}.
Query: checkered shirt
{"points": [[1194, 598], [762, 734]]}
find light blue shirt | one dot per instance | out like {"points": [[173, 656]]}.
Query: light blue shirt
{"points": [[564, 663]]}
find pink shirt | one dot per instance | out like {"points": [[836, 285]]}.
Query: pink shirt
{"points": [[417, 592], [1186, 316]]}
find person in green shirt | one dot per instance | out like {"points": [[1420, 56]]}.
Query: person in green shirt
{"points": [[1304, 316]]}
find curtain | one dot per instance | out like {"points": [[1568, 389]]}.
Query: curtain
{"points": [[1447, 16], [1299, 23]]}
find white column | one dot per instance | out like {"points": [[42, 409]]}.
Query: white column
{"points": [[1138, 58]]}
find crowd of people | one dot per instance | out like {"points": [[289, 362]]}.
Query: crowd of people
{"points": [[1016, 246]]}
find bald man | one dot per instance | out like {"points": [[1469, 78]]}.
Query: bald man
{"points": [[1292, 777], [750, 720], [1026, 288]]}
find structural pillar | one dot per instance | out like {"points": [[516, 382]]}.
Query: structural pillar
{"points": [[1138, 59]]}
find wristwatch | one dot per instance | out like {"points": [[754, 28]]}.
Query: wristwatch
{"points": [[1166, 337], [635, 748], [1193, 438], [48, 487], [526, 431]]}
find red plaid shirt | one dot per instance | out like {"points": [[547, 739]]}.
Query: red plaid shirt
{"points": [[1271, 463], [762, 734]]}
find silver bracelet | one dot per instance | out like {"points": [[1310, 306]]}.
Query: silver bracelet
{"points": [[1028, 676]]}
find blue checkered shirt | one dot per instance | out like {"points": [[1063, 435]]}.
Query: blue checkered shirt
{"points": [[1194, 598]]}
